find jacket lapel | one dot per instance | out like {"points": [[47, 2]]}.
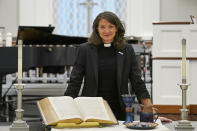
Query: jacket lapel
{"points": [[120, 62], [94, 59]]}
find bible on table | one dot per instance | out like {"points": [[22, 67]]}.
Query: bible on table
{"points": [[65, 109]]}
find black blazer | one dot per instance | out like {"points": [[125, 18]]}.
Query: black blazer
{"points": [[86, 66]]}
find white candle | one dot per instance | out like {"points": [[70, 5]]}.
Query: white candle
{"points": [[184, 59], [20, 61]]}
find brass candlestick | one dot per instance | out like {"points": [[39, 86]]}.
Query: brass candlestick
{"points": [[19, 124], [184, 124]]}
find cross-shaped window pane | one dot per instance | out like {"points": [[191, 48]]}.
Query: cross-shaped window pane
{"points": [[71, 18]]}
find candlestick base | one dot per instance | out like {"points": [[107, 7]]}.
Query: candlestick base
{"points": [[19, 125], [184, 125]]}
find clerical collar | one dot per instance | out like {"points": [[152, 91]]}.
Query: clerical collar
{"points": [[107, 44]]}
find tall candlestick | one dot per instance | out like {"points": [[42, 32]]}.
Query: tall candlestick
{"points": [[184, 124], [184, 61], [20, 55], [19, 124]]}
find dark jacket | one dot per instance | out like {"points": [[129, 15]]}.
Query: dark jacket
{"points": [[86, 66]]}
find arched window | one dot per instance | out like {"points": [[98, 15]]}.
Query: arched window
{"points": [[71, 16]]}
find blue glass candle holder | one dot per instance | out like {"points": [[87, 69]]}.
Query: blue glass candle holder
{"points": [[128, 100]]}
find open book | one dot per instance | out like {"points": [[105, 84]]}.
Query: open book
{"points": [[65, 109]]}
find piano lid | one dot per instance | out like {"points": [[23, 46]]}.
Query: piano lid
{"points": [[37, 35]]}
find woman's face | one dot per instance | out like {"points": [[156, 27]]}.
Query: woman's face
{"points": [[106, 30]]}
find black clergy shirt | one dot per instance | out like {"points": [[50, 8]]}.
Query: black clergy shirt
{"points": [[107, 78]]}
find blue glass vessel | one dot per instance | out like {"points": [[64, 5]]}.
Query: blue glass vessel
{"points": [[128, 100]]}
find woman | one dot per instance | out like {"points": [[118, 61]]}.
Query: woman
{"points": [[107, 64]]}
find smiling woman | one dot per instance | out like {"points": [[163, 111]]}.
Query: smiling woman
{"points": [[106, 70], [107, 31], [107, 28]]}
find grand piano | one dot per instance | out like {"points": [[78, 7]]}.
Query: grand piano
{"points": [[42, 49]]}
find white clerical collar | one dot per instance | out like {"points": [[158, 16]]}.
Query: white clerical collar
{"points": [[107, 44]]}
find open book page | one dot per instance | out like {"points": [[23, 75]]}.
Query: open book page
{"points": [[93, 108], [47, 112], [110, 113], [65, 108]]}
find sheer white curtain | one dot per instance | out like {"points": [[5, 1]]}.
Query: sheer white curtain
{"points": [[70, 18]]}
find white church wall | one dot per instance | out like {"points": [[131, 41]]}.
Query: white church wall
{"points": [[167, 40], [35, 12], [166, 77], [177, 10], [139, 17], [192, 89], [9, 15], [25, 12], [142, 13]]}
